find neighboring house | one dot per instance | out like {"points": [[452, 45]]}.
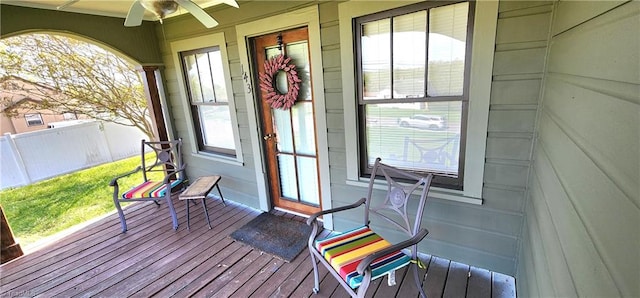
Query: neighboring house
{"points": [[16, 98], [542, 107]]}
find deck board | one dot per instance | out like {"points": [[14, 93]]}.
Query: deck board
{"points": [[479, 285], [153, 260], [457, 280], [436, 277], [502, 285]]}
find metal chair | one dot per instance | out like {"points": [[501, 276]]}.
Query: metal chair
{"points": [[168, 159], [358, 256]]}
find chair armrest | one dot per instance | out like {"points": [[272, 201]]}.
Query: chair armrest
{"points": [[114, 181], [314, 216], [366, 262]]}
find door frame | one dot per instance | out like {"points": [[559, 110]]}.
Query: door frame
{"points": [[309, 17]]}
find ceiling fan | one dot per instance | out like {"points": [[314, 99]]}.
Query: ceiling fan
{"points": [[162, 8]]}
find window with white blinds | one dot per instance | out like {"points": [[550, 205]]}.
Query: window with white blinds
{"points": [[204, 77], [412, 66]]}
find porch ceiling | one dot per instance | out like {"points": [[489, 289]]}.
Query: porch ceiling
{"points": [[109, 8]]}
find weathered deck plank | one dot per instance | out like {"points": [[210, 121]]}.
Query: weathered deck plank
{"points": [[456, 280], [502, 286], [479, 285], [153, 260]]}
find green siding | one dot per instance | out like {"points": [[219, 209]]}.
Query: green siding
{"points": [[581, 234]]}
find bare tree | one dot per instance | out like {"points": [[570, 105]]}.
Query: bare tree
{"points": [[85, 79]]}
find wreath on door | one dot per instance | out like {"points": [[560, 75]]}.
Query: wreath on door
{"points": [[272, 95]]}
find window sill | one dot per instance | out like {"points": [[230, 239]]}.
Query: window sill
{"points": [[213, 157], [434, 192]]}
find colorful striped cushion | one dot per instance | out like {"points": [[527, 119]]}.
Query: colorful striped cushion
{"points": [[149, 189], [345, 252]]}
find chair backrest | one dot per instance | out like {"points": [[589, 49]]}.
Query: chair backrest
{"points": [[401, 186], [168, 158]]}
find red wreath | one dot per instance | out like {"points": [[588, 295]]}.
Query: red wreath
{"points": [[273, 97]]}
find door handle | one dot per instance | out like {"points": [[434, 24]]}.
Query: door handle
{"points": [[269, 136]]}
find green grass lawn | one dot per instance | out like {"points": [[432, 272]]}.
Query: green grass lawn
{"points": [[42, 209]]}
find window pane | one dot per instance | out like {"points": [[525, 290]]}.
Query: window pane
{"points": [[376, 59], [300, 58], [215, 62], [409, 51], [206, 80], [283, 130], [447, 43], [33, 119], [287, 170], [416, 136], [193, 79], [216, 126], [308, 177], [304, 132]]}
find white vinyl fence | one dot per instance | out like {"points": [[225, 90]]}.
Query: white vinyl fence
{"points": [[30, 157]]}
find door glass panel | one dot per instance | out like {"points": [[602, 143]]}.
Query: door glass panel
{"points": [[286, 167], [282, 125], [308, 180], [303, 128], [298, 52], [272, 52]]}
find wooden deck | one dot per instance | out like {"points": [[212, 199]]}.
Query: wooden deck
{"points": [[152, 259]]}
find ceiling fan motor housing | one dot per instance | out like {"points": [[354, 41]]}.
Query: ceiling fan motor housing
{"points": [[160, 8]]}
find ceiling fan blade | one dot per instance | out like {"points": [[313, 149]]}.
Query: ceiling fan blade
{"points": [[135, 15], [66, 4], [199, 13], [230, 3]]}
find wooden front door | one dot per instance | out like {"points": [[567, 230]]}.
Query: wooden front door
{"points": [[289, 135]]}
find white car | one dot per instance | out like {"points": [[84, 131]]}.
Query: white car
{"points": [[423, 121]]}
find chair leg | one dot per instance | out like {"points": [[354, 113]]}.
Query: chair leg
{"points": [[206, 213], [172, 210], [316, 287], [221, 197], [123, 222], [417, 278], [188, 224], [366, 280], [116, 202]]}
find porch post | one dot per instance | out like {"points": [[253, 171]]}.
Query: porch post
{"points": [[153, 102]]}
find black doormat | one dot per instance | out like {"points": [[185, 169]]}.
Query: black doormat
{"points": [[282, 237]]}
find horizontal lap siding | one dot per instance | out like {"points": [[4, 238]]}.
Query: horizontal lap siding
{"points": [[521, 39], [584, 199]]}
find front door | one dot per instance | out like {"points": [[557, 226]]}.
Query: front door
{"points": [[289, 133]]}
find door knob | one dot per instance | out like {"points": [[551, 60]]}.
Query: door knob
{"points": [[269, 136]]}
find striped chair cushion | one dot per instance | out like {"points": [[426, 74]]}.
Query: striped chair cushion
{"points": [[345, 251], [149, 189]]}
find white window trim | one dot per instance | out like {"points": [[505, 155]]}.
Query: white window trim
{"points": [[484, 34], [309, 16], [34, 115], [205, 41]]}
